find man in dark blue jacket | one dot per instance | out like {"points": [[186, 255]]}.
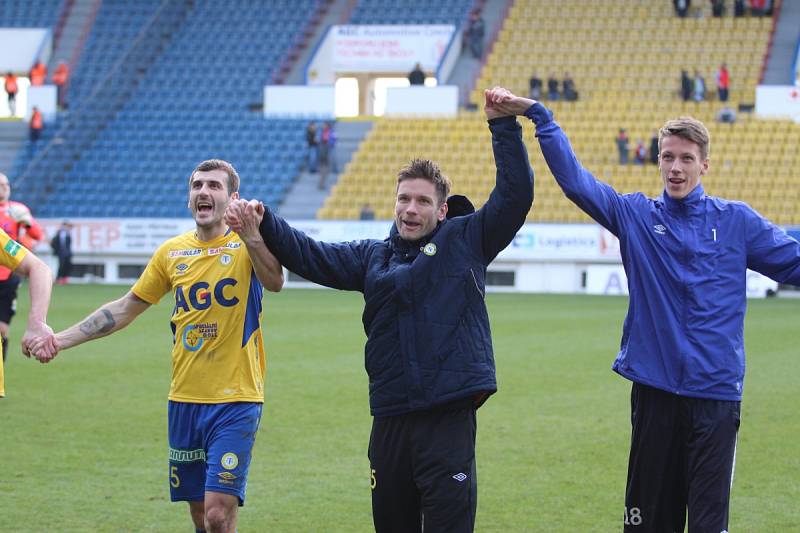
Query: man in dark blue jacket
{"points": [[429, 349], [686, 255]]}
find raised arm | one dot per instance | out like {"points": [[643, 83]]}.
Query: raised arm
{"points": [[266, 266], [339, 265], [510, 200], [599, 200]]}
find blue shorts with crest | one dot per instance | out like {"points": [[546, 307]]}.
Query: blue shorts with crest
{"points": [[210, 446]]}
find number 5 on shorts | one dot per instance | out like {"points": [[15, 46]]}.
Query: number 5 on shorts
{"points": [[174, 480]]}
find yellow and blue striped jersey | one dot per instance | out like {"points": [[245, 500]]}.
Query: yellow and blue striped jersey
{"points": [[218, 351], [11, 255]]}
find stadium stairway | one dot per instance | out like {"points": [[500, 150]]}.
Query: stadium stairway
{"points": [[468, 68], [335, 12], [12, 138], [305, 197], [76, 25], [784, 44]]}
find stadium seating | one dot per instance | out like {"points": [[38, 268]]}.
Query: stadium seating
{"points": [[626, 78], [145, 115], [410, 12], [30, 13]]}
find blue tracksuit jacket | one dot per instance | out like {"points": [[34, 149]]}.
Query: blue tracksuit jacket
{"points": [[428, 337], [686, 262]]}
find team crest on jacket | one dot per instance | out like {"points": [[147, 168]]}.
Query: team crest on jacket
{"points": [[429, 249], [661, 230]]}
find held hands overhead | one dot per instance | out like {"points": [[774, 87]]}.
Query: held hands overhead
{"points": [[501, 102]]}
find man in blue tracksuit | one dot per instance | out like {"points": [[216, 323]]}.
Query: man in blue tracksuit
{"points": [[686, 256], [429, 349]]}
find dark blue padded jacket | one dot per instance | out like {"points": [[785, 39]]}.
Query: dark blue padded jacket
{"points": [[428, 337]]}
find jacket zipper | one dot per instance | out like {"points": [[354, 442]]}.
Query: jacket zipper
{"points": [[477, 286]]}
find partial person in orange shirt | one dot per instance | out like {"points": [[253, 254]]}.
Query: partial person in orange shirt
{"points": [[16, 220], [60, 79], [37, 124], [38, 73]]}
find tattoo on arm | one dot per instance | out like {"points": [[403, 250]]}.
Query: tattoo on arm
{"points": [[100, 322]]}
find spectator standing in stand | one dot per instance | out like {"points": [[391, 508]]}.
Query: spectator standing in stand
{"points": [[476, 30], [62, 248], [36, 124], [60, 79], [723, 83], [312, 144], [38, 74], [417, 75], [687, 86], [11, 90], [552, 88], [570, 94], [639, 153], [622, 146], [327, 141], [699, 87], [535, 86]]}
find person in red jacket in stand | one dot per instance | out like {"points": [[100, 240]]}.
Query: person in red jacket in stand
{"points": [[16, 220], [11, 88], [723, 82]]}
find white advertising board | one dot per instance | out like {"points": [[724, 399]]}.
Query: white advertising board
{"points": [[778, 101], [117, 236], [137, 236], [556, 242], [389, 48], [435, 101], [299, 101], [21, 47], [545, 257], [550, 242]]}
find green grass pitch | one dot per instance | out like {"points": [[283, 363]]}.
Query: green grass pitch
{"points": [[83, 439]]}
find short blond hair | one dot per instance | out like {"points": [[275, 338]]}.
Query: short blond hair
{"points": [[690, 129]]}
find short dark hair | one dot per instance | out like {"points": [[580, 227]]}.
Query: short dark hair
{"points": [[427, 170], [218, 164]]}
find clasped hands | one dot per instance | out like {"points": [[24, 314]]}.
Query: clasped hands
{"points": [[40, 342]]}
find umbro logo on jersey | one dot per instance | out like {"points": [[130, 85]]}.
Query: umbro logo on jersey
{"points": [[659, 229], [461, 476]]}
